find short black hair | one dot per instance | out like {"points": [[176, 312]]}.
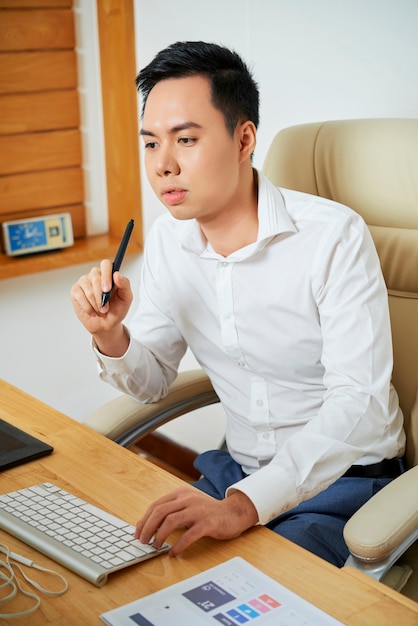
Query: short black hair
{"points": [[234, 91]]}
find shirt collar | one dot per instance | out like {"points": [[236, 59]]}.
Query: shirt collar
{"points": [[273, 219]]}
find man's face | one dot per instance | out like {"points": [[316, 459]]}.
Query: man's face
{"points": [[191, 159]]}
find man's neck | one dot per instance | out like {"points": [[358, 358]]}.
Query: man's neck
{"points": [[238, 226]]}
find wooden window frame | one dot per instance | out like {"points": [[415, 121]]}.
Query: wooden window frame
{"points": [[118, 68]]}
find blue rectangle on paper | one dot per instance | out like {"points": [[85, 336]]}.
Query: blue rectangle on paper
{"points": [[140, 620], [248, 610], [238, 617]]}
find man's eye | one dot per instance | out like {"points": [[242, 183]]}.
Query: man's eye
{"points": [[187, 141], [149, 145]]}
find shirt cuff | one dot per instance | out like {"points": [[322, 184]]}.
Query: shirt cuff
{"points": [[118, 365], [270, 490]]}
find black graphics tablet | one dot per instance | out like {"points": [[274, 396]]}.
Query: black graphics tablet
{"points": [[18, 447]]}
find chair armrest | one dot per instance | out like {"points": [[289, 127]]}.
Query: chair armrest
{"points": [[126, 420], [383, 528]]}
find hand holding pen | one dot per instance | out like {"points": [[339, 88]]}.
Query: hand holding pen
{"points": [[106, 296]]}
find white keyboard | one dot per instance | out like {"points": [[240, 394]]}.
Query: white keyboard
{"points": [[82, 537]]}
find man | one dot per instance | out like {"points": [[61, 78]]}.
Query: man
{"points": [[280, 297]]}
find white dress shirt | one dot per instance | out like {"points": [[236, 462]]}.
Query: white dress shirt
{"points": [[294, 333]]}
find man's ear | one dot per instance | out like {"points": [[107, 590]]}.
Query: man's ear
{"points": [[247, 138]]}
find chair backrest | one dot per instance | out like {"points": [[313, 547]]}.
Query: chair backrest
{"points": [[371, 165]]}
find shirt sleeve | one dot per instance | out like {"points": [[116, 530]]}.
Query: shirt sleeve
{"points": [[359, 420], [156, 346]]}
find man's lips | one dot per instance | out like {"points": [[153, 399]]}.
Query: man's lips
{"points": [[173, 196]]}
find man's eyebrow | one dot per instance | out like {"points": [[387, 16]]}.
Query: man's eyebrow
{"points": [[173, 130]]}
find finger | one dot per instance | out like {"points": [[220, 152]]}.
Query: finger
{"points": [[195, 512], [122, 288], [95, 276], [155, 523], [197, 524], [191, 535], [153, 517], [172, 522], [83, 293], [106, 276]]}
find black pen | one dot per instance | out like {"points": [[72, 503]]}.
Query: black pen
{"points": [[119, 258]]}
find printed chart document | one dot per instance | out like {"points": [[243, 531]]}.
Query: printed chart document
{"points": [[232, 593]]}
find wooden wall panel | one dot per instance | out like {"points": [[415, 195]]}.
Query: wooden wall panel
{"points": [[38, 4], [39, 190], [50, 110], [22, 72], [36, 30], [40, 151]]}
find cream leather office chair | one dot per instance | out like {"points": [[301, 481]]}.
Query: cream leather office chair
{"points": [[370, 165]]}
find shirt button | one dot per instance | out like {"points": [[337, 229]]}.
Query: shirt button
{"points": [[260, 402], [241, 363], [266, 435]]}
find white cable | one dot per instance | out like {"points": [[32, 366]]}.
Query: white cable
{"points": [[13, 560]]}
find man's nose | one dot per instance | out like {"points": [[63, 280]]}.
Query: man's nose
{"points": [[167, 163]]}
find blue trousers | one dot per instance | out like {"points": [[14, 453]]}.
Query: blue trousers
{"points": [[316, 524]]}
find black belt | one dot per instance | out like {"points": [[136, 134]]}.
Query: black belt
{"points": [[388, 468]]}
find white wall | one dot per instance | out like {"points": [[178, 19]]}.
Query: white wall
{"points": [[313, 59]]}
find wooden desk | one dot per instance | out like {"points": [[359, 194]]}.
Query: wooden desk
{"points": [[119, 481]]}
